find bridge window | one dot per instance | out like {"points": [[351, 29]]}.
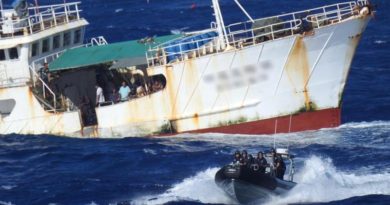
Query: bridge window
{"points": [[13, 53], [56, 41], [45, 45], [67, 39], [35, 49], [77, 36], [2, 55]]}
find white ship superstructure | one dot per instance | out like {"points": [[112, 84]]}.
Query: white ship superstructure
{"points": [[284, 73]]}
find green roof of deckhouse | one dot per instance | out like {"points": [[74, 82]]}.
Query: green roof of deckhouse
{"points": [[86, 56]]}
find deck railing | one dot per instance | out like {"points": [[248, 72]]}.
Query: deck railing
{"points": [[39, 83], [316, 16], [97, 41], [250, 33], [160, 55], [38, 19]]}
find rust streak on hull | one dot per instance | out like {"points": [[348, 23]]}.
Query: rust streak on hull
{"points": [[297, 68]]}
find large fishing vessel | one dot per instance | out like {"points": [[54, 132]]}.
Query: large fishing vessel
{"points": [[279, 74]]}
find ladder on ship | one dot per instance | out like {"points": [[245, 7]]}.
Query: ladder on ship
{"points": [[43, 93]]}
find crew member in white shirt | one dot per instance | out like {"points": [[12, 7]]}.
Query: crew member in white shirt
{"points": [[99, 95]]}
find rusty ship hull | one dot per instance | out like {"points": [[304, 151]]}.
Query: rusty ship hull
{"points": [[293, 83], [304, 79]]}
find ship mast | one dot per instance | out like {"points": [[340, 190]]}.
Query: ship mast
{"points": [[223, 39], [1, 9]]}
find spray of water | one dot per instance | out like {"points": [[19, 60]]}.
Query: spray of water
{"points": [[318, 181], [200, 188]]}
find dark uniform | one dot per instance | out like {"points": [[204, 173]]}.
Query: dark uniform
{"points": [[261, 163], [280, 167], [244, 161], [237, 157]]}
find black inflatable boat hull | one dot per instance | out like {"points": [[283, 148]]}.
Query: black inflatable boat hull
{"points": [[247, 186]]}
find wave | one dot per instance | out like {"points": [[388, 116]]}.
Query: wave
{"points": [[179, 31], [6, 203], [380, 41], [327, 136], [8, 187], [200, 188], [149, 151], [118, 10], [364, 124], [317, 181], [320, 181]]}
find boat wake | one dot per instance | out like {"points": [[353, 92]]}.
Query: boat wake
{"points": [[200, 188], [318, 181]]}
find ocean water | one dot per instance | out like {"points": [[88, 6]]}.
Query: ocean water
{"points": [[345, 165]]}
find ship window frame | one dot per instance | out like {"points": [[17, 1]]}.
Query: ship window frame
{"points": [[3, 57], [67, 41], [77, 36], [35, 51], [58, 44], [45, 45], [11, 53]]}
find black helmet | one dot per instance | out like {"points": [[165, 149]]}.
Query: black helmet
{"points": [[237, 152]]}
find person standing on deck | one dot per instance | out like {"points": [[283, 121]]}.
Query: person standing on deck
{"points": [[114, 97], [99, 95], [124, 91]]}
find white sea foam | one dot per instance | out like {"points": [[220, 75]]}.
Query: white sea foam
{"points": [[118, 10], [328, 136], [365, 124], [200, 187], [318, 181], [6, 203], [8, 187], [149, 151], [380, 42], [92, 203], [179, 31]]}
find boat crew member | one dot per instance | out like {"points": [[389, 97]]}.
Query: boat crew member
{"points": [[273, 162], [44, 73], [237, 157], [124, 91], [261, 162], [251, 161], [280, 167], [244, 161]]}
